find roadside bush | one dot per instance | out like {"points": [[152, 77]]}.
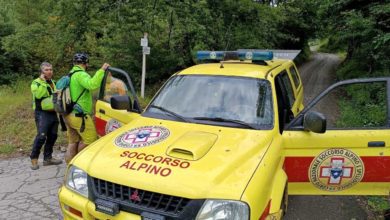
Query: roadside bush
{"points": [[363, 106]]}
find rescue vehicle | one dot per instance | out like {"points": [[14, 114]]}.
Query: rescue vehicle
{"points": [[225, 139]]}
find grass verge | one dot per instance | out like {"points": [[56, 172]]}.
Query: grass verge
{"points": [[17, 123]]}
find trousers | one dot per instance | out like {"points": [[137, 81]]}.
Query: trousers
{"points": [[47, 128]]}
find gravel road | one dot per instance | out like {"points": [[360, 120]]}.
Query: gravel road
{"points": [[28, 194]]}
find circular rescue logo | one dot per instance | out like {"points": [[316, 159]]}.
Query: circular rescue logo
{"points": [[248, 55], [142, 137], [213, 55], [112, 125], [336, 170]]}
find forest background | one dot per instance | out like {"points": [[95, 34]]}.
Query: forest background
{"points": [[32, 31]]}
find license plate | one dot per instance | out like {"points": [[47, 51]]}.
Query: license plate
{"points": [[151, 216], [107, 207]]}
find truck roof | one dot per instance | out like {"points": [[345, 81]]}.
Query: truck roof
{"points": [[235, 68]]}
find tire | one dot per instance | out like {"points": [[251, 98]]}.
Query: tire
{"points": [[284, 202]]}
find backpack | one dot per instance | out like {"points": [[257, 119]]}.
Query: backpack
{"points": [[62, 99]]}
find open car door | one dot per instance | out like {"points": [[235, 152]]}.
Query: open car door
{"points": [[340, 143], [116, 84]]}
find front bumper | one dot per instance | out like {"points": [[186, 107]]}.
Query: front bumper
{"points": [[70, 201]]}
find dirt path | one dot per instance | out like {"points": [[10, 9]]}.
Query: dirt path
{"points": [[317, 75]]}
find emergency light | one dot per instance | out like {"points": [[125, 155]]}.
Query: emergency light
{"points": [[210, 55], [235, 55]]}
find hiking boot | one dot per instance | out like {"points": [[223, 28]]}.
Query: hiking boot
{"points": [[34, 164], [52, 161]]}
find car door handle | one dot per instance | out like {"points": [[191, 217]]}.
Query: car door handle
{"points": [[376, 144], [102, 111]]}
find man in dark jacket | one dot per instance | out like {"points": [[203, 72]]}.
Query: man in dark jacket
{"points": [[46, 118]]}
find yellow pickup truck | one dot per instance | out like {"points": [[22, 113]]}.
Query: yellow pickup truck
{"points": [[228, 139]]}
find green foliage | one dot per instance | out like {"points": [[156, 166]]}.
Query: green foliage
{"points": [[110, 31], [363, 106], [8, 60], [361, 29], [28, 40], [350, 70], [378, 203], [298, 23]]}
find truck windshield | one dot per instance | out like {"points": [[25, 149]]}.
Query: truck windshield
{"points": [[217, 100]]}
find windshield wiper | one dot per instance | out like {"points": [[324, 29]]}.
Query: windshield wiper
{"points": [[169, 112], [225, 120]]}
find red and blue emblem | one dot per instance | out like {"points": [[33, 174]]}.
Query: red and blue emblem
{"points": [[336, 169], [142, 137]]}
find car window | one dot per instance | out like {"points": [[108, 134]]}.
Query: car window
{"points": [[235, 98], [115, 84], [362, 105], [295, 76], [288, 87]]}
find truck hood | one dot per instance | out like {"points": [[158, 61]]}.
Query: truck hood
{"points": [[175, 158]]}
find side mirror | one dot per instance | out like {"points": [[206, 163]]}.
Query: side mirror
{"points": [[314, 122], [122, 102]]}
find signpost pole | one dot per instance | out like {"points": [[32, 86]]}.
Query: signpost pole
{"points": [[143, 75], [145, 51]]}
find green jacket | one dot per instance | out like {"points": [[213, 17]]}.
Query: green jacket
{"points": [[82, 80], [41, 90]]}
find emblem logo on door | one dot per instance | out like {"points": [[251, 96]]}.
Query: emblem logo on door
{"points": [[336, 169]]}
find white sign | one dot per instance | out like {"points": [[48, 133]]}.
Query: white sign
{"points": [[144, 42], [146, 50]]}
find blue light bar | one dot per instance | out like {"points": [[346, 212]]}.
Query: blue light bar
{"points": [[278, 54], [241, 55], [253, 55], [210, 55]]}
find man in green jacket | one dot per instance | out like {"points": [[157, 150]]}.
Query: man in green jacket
{"points": [[80, 125], [46, 119]]}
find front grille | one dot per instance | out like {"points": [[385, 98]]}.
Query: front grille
{"points": [[137, 198]]}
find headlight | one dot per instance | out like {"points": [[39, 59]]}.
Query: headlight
{"points": [[77, 180], [223, 209]]}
